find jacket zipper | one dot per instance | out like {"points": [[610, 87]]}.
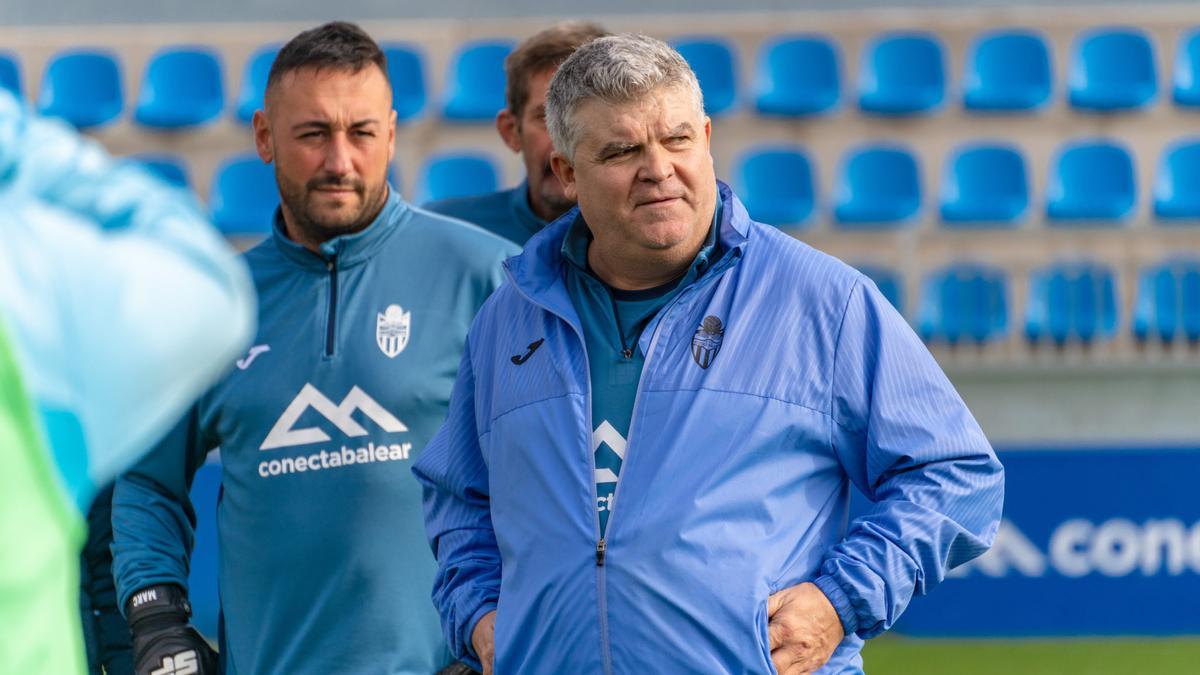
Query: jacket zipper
{"points": [[331, 325], [601, 547]]}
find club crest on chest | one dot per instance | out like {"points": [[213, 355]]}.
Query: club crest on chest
{"points": [[707, 341]]}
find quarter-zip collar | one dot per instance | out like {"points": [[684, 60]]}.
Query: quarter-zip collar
{"points": [[350, 249]]}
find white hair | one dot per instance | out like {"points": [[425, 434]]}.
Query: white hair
{"points": [[615, 69]]}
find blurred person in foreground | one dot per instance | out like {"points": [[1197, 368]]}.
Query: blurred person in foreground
{"points": [[521, 212], [657, 423], [119, 304], [365, 304]]}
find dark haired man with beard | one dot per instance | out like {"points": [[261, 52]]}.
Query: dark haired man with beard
{"points": [[364, 305], [519, 213]]}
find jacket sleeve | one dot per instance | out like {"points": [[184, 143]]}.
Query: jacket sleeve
{"points": [[110, 640], [458, 519], [908, 442], [153, 523], [132, 303]]}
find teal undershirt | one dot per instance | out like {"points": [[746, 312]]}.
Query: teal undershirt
{"points": [[612, 322]]}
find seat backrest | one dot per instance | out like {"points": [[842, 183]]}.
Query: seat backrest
{"points": [[182, 87], [1177, 183], [985, 183], [797, 75], [244, 196], [1007, 69], [475, 86], [877, 183], [10, 73], [457, 174], [776, 184], [254, 81], [1186, 75], [1078, 302], [1091, 180], [1112, 69], [82, 86], [715, 65], [902, 74], [965, 301], [406, 72]]}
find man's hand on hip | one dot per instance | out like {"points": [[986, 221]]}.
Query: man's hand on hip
{"points": [[803, 627], [483, 639]]}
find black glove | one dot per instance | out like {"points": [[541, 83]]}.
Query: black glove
{"points": [[163, 641]]}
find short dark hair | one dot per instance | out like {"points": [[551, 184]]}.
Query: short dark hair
{"points": [[339, 45], [545, 50]]}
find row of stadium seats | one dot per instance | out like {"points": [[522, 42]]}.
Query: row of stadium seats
{"points": [[902, 73], [878, 185], [1073, 302], [984, 184]]}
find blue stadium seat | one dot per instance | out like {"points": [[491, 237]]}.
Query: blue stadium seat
{"points": [[1186, 91], [890, 285], [902, 74], [475, 86], [1112, 69], [170, 168], [1168, 301], [406, 71], [1007, 70], [457, 174], [776, 184], [83, 87], [244, 196], [712, 59], [183, 87], [797, 75], [10, 73], [254, 82], [984, 184], [964, 301], [1177, 185], [877, 185], [1091, 181], [202, 575], [1072, 302]]}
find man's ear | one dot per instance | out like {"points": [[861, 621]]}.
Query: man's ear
{"points": [[262, 136], [391, 136], [508, 126], [565, 172]]}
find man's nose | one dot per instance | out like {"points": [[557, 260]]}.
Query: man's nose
{"points": [[656, 164], [337, 156]]}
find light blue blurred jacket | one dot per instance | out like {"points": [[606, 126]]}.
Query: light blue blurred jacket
{"points": [[122, 302]]}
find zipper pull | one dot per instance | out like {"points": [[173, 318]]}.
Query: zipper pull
{"points": [[627, 353], [601, 548]]}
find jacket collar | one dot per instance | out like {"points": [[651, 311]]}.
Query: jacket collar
{"points": [[350, 249], [538, 270]]}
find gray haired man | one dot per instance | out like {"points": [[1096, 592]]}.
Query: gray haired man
{"points": [[648, 456]]}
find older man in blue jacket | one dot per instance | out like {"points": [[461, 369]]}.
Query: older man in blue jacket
{"points": [[656, 423]]}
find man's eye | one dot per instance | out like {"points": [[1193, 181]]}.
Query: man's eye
{"points": [[363, 132], [310, 134]]}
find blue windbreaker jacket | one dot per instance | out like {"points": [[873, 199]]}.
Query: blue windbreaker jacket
{"points": [[736, 478]]}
